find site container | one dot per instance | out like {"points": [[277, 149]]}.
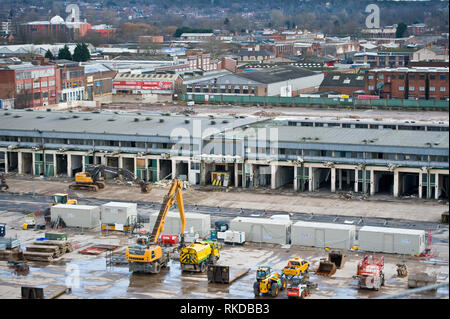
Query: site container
{"points": [[323, 235], [391, 240], [56, 236], [118, 213], [77, 215], [195, 223], [234, 237], [273, 231]]}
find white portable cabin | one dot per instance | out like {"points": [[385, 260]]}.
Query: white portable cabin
{"points": [[329, 235], [198, 223], [273, 231], [76, 215], [118, 213], [391, 240]]}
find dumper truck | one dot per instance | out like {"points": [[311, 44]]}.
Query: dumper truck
{"points": [[198, 255]]}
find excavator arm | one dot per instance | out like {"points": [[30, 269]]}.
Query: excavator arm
{"points": [[174, 193]]}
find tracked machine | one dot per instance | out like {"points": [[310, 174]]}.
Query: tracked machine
{"points": [[93, 178], [148, 255]]}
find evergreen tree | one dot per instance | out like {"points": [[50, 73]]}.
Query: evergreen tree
{"points": [[401, 29], [49, 55], [81, 53], [64, 53]]}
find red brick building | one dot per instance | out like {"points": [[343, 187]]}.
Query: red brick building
{"points": [[29, 85], [408, 83]]}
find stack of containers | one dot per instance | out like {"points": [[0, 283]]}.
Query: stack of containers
{"points": [[273, 231], [77, 215], [322, 235], [118, 213], [196, 223]]}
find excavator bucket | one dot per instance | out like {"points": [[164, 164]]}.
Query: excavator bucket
{"points": [[337, 258], [146, 188], [326, 268]]}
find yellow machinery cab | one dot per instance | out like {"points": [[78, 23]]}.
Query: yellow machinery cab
{"points": [[295, 267], [63, 198], [143, 254]]}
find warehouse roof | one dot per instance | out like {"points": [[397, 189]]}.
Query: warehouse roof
{"points": [[278, 74], [146, 77], [120, 124], [343, 80], [337, 135]]}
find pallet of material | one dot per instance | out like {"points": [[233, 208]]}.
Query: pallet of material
{"points": [[64, 246], [421, 279], [45, 249], [37, 256], [8, 254]]}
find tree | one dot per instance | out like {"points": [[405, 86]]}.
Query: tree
{"points": [[226, 21], [49, 55], [64, 53], [401, 28], [81, 53]]}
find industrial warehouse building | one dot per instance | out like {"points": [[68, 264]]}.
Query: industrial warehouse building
{"points": [[277, 81], [390, 157]]}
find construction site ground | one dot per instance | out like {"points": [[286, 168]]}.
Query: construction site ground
{"points": [[90, 277]]}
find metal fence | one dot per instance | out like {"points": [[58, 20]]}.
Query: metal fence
{"points": [[316, 101]]}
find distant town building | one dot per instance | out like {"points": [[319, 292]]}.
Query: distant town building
{"points": [[431, 54], [386, 32], [343, 83], [408, 83], [29, 85]]}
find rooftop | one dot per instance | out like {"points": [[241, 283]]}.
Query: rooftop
{"points": [[278, 74]]}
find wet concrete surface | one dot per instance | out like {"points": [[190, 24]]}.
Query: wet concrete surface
{"points": [[90, 277]]}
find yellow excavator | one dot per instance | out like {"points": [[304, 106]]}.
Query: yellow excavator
{"points": [[147, 256], [93, 178]]}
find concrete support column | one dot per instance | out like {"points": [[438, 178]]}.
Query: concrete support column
{"points": [[372, 182], [295, 178], [146, 169], [333, 180], [396, 184], [120, 162], [174, 169], [236, 175], [69, 165], [273, 174], [19, 162], [33, 163], [6, 161], [55, 166], [311, 179], [203, 174], [340, 179], [436, 190], [135, 167], [420, 185], [103, 160], [356, 180], [158, 170]]}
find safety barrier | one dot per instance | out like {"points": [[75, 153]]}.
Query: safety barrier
{"points": [[315, 101]]}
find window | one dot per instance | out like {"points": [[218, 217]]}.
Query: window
{"points": [[432, 89], [421, 76], [442, 89], [421, 88], [442, 76], [371, 87], [381, 76], [37, 95], [44, 84], [393, 76], [401, 88], [370, 76], [432, 76], [411, 88], [401, 76], [412, 77]]}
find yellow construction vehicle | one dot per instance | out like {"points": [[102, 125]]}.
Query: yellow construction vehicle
{"points": [[295, 267], [93, 178], [147, 255], [63, 198], [198, 255], [268, 282]]}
